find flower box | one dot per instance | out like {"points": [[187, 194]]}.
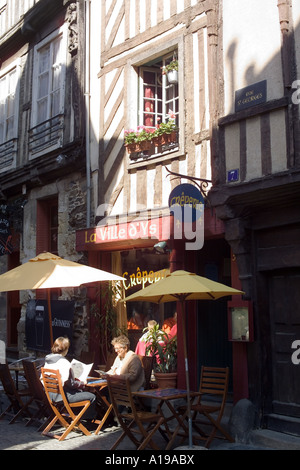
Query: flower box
{"points": [[131, 148]]}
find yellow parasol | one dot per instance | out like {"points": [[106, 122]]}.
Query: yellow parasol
{"points": [[47, 271], [181, 286]]}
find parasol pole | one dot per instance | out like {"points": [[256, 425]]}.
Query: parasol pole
{"points": [[186, 365], [50, 318]]}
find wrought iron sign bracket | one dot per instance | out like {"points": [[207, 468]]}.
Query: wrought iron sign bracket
{"points": [[201, 183]]}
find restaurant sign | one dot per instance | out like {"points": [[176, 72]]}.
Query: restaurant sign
{"points": [[156, 228], [186, 202]]}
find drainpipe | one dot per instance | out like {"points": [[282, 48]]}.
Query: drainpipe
{"points": [[87, 113]]}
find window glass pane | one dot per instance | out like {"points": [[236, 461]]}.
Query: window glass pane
{"points": [[10, 128], [44, 56], [42, 110], [149, 77], [43, 85], [55, 77], [55, 103]]}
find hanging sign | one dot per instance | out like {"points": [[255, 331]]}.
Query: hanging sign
{"points": [[186, 202]]}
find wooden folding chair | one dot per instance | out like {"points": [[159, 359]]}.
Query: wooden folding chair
{"points": [[62, 409], [37, 391], [147, 363], [142, 424], [213, 385], [18, 406]]}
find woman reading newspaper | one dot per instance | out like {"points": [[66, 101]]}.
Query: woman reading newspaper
{"points": [[73, 387]]}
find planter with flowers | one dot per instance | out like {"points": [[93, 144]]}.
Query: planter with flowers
{"points": [[164, 349], [166, 132], [138, 140], [171, 70]]}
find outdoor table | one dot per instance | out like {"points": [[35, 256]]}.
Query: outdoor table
{"points": [[165, 396], [98, 385]]}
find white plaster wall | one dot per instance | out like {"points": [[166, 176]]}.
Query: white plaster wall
{"points": [[232, 143], [251, 49], [254, 169], [278, 141]]}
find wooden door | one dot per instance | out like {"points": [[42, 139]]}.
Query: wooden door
{"points": [[285, 329]]}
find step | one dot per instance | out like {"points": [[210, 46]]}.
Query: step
{"points": [[283, 424], [274, 440]]}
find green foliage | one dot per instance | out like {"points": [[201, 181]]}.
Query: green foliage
{"points": [[163, 348], [173, 65]]}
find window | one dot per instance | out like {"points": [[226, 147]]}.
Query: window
{"points": [[46, 133], [158, 97], [49, 76], [8, 102], [47, 225]]}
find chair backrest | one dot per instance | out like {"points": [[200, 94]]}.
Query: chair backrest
{"points": [[120, 392], [34, 384], [7, 381], [2, 352], [214, 381], [147, 363], [53, 384]]}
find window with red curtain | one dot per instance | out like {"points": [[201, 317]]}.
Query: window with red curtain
{"points": [[158, 96]]}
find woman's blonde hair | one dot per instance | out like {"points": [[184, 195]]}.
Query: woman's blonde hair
{"points": [[61, 345], [122, 340]]}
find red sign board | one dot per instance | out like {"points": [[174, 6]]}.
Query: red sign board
{"points": [[134, 233]]}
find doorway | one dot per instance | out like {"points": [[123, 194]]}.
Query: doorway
{"points": [[284, 295], [13, 306]]}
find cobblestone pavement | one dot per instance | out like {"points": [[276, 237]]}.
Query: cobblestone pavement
{"points": [[17, 436]]}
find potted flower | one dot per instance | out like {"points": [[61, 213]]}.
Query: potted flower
{"points": [[130, 136], [166, 132], [159, 344], [138, 140], [171, 70], [143, 138]]}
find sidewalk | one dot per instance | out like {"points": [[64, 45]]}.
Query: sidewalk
{"points": [[18, 437]]}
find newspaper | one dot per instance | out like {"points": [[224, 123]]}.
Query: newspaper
{"points": [[81, 370]]}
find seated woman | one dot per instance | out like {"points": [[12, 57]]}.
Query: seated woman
{"points": [[127, 363], [73, 387]]}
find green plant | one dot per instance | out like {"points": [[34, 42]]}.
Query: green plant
{"points": [[166, 127], [106, 316], [144, 134], [165, 349], [141, 134], [130, 137], [173, 65]]}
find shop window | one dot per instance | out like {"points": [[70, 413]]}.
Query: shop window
{"points": [[140, 268]]}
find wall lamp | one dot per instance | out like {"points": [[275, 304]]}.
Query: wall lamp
{"points": [[162, 248]]}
